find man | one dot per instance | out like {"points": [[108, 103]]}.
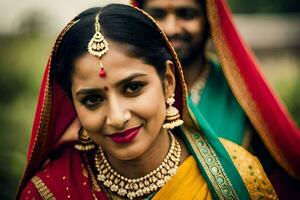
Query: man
{"points": [[235, 99], [186, 25]]}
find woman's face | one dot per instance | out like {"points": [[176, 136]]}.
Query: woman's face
{"points": [[124, 111]]}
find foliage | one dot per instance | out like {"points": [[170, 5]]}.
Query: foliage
{"points": [[265, 6], [22, 60]]}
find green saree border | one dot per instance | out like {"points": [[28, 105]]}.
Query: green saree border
{"points": [[214, 161], [210, 164]]}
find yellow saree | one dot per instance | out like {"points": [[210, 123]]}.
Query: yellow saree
{"points": [[188, 183]]}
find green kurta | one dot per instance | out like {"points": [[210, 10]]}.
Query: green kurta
{"points": [[220, 108]]}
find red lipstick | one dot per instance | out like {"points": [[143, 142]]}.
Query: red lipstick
{"points": [[125, 136]]}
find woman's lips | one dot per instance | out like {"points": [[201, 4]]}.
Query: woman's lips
{"points": [[125, 136]]}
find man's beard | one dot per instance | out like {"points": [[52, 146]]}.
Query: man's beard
{"points": [[191, 52]]}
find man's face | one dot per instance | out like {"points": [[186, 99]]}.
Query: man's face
{"points": [[183, 23]]}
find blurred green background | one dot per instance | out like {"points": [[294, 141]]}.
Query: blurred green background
{"points": [[25, 49]]}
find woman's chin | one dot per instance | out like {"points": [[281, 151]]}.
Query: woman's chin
{"points": [[131, 153]]}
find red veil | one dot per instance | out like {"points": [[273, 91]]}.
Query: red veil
{"points": [[265, 111]]}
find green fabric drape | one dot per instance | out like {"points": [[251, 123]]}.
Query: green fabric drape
{"points": [[215, 163], [220, 108]]}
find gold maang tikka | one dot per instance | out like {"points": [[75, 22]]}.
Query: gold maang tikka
{"points": [[98, 46]]}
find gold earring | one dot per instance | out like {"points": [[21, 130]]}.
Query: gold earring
{"points": [[172, 115], [85, 143]]}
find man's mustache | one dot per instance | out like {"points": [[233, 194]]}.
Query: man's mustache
{"points": [[178, 37]]}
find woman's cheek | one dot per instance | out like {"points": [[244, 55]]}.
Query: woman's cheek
{"points": [[91, 121], [149, 105]]}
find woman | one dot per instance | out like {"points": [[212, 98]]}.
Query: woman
{"points": [[115, 70]]}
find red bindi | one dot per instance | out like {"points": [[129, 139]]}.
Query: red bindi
{"points": [[105, 88]]}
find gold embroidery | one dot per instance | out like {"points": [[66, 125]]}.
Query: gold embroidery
{"points": [[198, 86], [238, 85], [251, 171], [216, 174], [43, 190]]}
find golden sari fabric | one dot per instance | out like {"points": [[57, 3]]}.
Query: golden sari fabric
{"points": [[188, 183]]}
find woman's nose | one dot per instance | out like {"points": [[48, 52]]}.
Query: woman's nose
{"points": [[118, 114]]}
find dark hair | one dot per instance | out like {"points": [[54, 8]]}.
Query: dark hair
{"points": [[119, 23]]}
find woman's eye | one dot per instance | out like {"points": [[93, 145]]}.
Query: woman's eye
{"points": [[133, 88], [92, 100]]}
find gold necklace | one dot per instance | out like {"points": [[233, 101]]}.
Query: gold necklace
{"points": [[198, 86], [138, 187]]}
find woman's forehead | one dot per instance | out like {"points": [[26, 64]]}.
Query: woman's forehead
{"points": [[117, 66]]}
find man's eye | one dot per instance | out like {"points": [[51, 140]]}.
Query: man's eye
{"points": [[92, 100], [187, 13], [156, 13], [133, 88]]}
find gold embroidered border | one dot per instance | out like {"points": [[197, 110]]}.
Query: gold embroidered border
{"points": [[43, 190], [214, 170], [199, 85], [238, 86], [252, 173]]}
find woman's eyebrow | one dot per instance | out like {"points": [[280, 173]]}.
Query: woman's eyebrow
{"points": [[129, 78], [86, 91]]}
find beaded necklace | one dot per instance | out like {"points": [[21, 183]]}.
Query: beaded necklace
{"points": [[138, 187]]}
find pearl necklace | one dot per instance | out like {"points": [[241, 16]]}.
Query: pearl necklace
{"points": [[138, 187]]}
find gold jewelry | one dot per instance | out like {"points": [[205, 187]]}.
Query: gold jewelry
{"points": [[98, 45], [85, 143], [138, 187], [172, 115], [198, 86]]}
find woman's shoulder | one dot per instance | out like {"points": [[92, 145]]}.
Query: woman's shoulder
{"points": [[45, 183], [37, 189], [251, 171], [54, 177]]}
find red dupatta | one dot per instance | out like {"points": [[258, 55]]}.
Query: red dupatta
{"points": [[263, 108]]}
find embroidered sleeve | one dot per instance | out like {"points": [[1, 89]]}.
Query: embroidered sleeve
{"points": [[251, 171], [30, 192], [42, 189]]}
